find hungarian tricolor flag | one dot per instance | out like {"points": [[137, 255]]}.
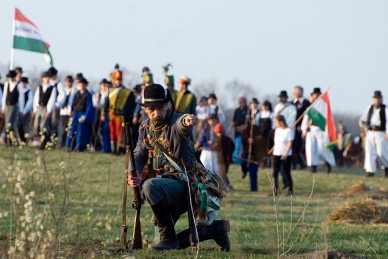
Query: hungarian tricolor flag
{"points": [[27, 36], [320, 113]]}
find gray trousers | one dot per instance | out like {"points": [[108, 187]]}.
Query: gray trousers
{"points": [[171, 191], [40, 122], [11, 118]]}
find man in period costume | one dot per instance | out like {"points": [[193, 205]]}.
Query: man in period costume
{"points": [[185, 100], [11, 102], [43, 106], [25, 109], [163, 135], [65, 111], [374, 119], [286, 109], [316, 141], [301, 105], [59, 101], [120, 106], [80, 131]]}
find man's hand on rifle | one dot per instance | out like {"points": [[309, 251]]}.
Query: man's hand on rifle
{"points": [[133, 181]]}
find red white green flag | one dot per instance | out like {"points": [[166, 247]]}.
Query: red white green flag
{"points": [[320, 113], [27, 36]]}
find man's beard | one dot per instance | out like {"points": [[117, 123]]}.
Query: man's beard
{"points": [[157, 120]]}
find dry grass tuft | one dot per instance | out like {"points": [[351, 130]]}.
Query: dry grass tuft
{"points": [[360, 211], [358, 187]]}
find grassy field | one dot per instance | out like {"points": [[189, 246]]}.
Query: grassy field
{"points": [[79, 196]]}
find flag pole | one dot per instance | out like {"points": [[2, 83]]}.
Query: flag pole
{"points": [[11, 63], [12, 57]]}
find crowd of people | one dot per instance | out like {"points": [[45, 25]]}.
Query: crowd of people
{"points": [[56, 114]]}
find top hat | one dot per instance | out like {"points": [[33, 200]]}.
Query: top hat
{"points": [[24, 80], [52, 71], [169, 79], [283, 94], [377, 94], [155, 95], [11, 74], [316, 90], [148, 78]]}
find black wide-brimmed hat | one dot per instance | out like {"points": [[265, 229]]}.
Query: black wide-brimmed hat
{"points": [[18, 70], [316, 90], [155, 95], [283, 94], [104, 82], [52, 71], [137, 88], [377, 94], [11, 74], [24, 79], [69, 78], [83, 81], [213, 96]]}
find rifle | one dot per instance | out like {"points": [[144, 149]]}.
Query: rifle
{"points": [[130, 168]]}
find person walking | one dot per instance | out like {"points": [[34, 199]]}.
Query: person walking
{"points": [[282, 152], [375, 121]]}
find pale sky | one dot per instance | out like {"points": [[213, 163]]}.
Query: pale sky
{"points": [[271, 45]]}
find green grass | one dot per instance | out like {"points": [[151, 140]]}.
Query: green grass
{"points": [[93, 217]]}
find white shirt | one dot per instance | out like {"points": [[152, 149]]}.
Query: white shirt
{"points": [[264, 115], [66, 110], [11, 86], [288, 111], [221, 115], [202, 112], [282, 137], [375, 119], [51, 103], [60, 99], [23, 106]]}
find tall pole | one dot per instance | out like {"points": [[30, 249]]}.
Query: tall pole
{"points": [[12, 57], [13, 39]]}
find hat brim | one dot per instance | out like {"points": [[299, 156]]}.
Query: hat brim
{"points": [[153, 104], [377, 96], [282, 96]]}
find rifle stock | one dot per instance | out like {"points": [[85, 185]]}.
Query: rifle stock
{"points": [[130, 167]]}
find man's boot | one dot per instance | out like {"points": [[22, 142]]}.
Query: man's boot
{"points": [[218, 231], [328, 168], [386, 172], [313, 168], [165, 223]]}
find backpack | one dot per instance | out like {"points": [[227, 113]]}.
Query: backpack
{"points": [[228, 149]]}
